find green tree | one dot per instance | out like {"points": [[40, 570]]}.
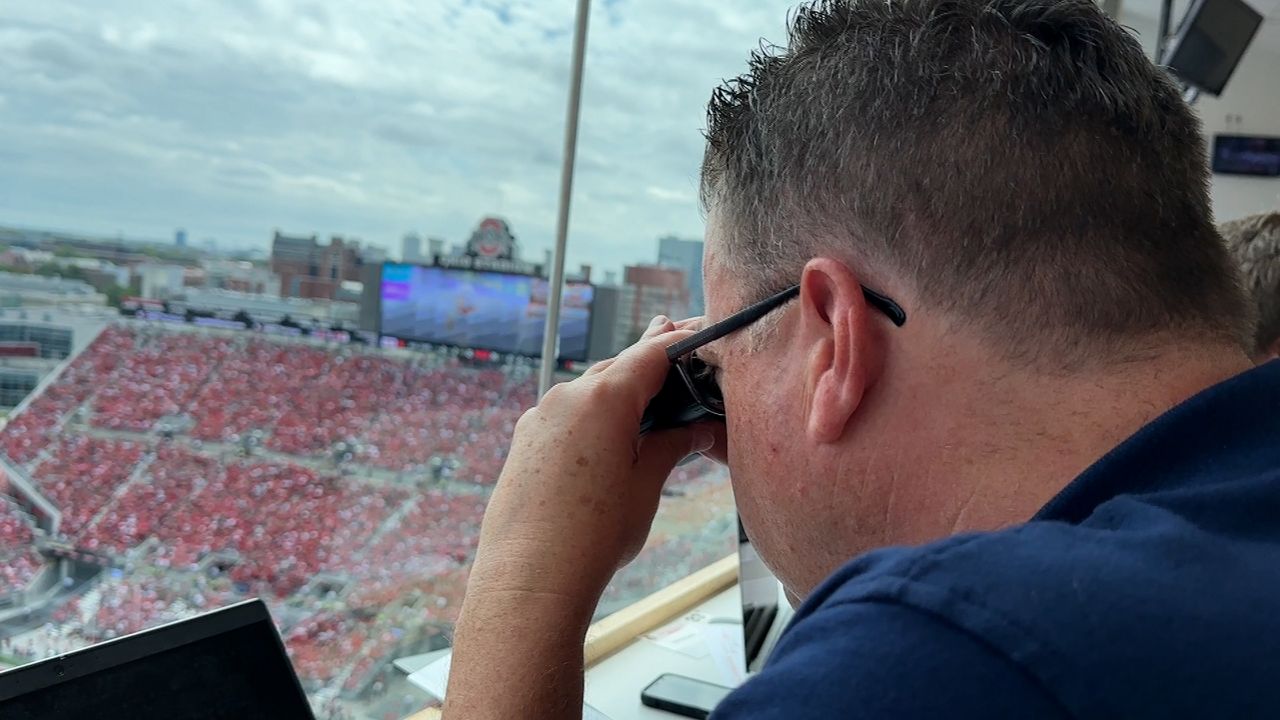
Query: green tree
{"points": [[116, 294], [71, 272]]}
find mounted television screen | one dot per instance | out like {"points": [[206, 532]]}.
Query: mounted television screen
{"points": [[1210, 42], [1246, 155], [486, 310]]}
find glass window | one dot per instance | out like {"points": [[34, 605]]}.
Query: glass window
{"points": [[229, 422]]}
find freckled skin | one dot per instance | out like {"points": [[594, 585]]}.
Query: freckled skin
{"points": [[574, 502]]}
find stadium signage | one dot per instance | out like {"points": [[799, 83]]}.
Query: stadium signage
{"points": [[161, 316], [493, 239], [488, 264]]}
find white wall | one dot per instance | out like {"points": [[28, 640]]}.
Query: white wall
{"points": [[1250, 105]]}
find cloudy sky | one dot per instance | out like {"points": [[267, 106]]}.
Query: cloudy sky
{"points": [[367, 119]]}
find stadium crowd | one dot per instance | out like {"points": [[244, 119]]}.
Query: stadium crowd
{"points": [[210, 466], [18, 562]]}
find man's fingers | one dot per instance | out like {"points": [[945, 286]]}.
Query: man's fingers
{"points": [[660, 451], [693, 323], [644, 366], [598, 368], [719, 451], [657, 326]]}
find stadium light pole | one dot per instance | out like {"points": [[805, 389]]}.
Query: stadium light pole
{"points": [[551, 331]]}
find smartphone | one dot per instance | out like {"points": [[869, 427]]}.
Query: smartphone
{"points": [[683, 695]]}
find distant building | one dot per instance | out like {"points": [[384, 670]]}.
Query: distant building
{"points": [[180, 238], [371, 298], [604, 322], [159, 281], [17, 290], [118, 250], [685, 255], [239, 276], [435, 246], [647, 291], [411, 248], [100, 273], [308, 269], [372, 254], [352, 291]]}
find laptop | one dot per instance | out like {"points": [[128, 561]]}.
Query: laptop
{"points": [[229, 663], [764, 611]]}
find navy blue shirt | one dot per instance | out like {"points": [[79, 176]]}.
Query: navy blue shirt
{"points": [[1148, 588]]}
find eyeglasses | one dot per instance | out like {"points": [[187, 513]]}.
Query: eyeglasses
{"points": [[699, 378]]}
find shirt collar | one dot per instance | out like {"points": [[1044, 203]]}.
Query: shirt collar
{"points": [[1228, 431]]}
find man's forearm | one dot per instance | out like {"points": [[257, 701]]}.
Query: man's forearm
{"points": [[574, 503], [517, 655]]}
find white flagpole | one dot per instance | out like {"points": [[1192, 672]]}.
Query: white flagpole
{"points": [[551, 331]]}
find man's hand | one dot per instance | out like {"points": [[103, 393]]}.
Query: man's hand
{"points": [[574, 502]]}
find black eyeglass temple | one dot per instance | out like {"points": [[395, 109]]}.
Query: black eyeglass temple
{"points": [[752, 313], [893, 310], [734, 322]]}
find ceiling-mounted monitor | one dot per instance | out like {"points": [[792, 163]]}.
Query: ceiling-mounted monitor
{"points": [[1210, 42], [1246, 155]]}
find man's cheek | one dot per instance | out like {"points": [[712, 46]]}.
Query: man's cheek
{"points": [[753, 428]]}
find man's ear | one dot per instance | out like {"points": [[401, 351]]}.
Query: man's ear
{"points": [[841, 361]]}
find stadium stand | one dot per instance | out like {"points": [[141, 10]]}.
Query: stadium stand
{"points": [[82, 474], [345, 485], [31, 430], [18, 563]]}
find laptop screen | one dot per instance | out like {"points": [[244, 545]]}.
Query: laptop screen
{"points": [[226, 664], [759, 591]]}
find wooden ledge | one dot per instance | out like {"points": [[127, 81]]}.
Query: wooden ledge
{"points": [[620, 629]]}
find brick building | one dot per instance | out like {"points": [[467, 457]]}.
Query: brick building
{"points": [[308, 269], [648, 290]]}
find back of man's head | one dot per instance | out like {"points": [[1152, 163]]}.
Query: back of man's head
{"points": [[1018, 165], [1254, 241]]}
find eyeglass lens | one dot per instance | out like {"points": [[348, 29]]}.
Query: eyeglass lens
{"points": [[702, 382]]}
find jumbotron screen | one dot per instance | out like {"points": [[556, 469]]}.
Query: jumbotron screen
{"points": [[484, 310]]}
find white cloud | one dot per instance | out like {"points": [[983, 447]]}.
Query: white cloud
{"points": [[364, 119], [669, 195]]}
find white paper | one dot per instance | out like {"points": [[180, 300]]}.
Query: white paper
{"points": [[680, 636], [434, 678], [724, 642]]}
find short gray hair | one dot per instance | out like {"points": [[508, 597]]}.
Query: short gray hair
{"points": [[1018, 164], [1254, 241]]}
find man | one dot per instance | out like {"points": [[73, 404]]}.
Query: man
{"points": [[1254, 241], [1052, 492]]}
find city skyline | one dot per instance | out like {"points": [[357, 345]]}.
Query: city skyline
{"points": [[393, 250], [311, 119]]}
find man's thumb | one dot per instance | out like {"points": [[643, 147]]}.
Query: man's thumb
{"points": [[660, 451]]}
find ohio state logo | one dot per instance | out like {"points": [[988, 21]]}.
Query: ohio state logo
{"points": [[493, 239]]}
